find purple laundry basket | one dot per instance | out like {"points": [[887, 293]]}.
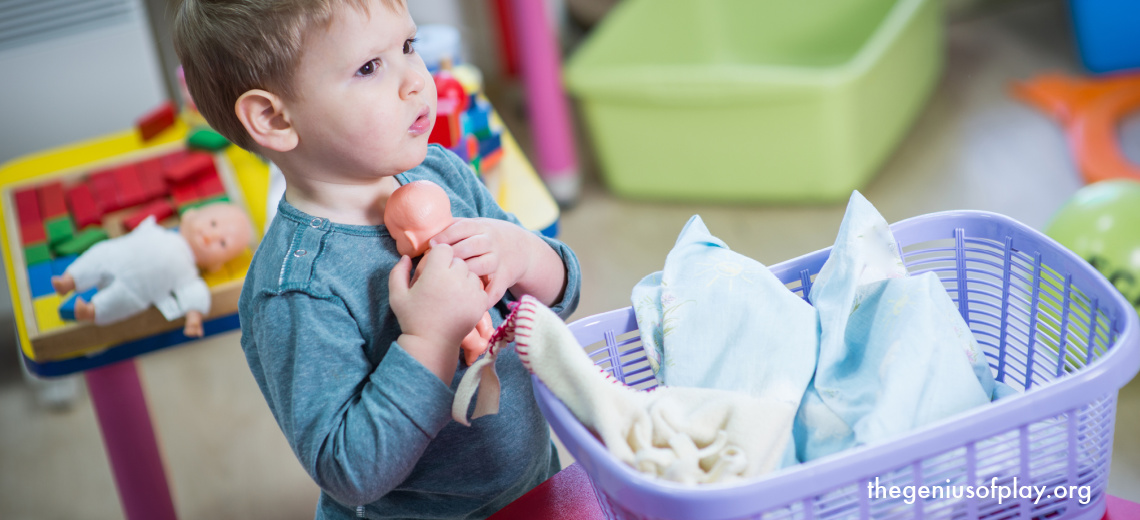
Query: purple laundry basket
{"points": [[1051, 326]]}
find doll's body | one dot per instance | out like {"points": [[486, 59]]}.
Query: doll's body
{"points": [[415, 213], [153, 265]]}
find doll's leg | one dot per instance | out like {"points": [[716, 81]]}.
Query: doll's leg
{"points": [[88, 271], [115, 303]]}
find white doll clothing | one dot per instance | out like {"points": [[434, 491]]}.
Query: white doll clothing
{"points": [[151, 265], [686, 435]]}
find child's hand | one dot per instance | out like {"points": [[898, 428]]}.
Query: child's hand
{"points": [[495, 249], [438, 310]]}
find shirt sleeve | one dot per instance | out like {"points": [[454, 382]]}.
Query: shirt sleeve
{"points": [[194, 295], [486, 206], [357, 429]]}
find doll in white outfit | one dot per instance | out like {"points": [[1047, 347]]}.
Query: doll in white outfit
{"points": [[153, 265]]}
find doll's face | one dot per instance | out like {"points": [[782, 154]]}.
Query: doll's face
{"points": [[216, 233], [414, 213]]}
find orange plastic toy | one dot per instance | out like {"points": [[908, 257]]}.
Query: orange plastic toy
{"points": [[414, 213], [1090, 110]]}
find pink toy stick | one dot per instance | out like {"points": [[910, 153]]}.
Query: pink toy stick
{"points": [[414, 213]]}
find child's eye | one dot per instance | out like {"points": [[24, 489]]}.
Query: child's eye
{"points": [[213, 223], [409, 45], [369, 68], [223, 243]]}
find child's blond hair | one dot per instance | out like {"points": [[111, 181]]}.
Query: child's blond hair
{"points": [[228, 47]]}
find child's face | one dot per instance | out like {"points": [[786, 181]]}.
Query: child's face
{"points": [[366, 101]]}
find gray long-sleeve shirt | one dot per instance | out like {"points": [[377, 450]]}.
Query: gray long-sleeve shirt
{"points": [[369, 423]]}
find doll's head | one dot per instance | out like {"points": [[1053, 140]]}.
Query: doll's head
{"points": [[217, 233], [414, 213]]}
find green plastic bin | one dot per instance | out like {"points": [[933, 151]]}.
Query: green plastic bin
{"points": [[753, 100]]}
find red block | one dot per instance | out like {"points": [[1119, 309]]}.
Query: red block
{"points": [[184, 194], [190, 166], [84, 210], [51, 201], [446, 131], [32, 233], [129, 188], [28, 206], [160, 209], [154, 122], [103, 188], [211, 186], [152, 179]]}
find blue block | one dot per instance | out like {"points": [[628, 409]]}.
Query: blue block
{"points": [[67, 308], [39, 278], [59, 265], [1107, 35], [489, 145]]}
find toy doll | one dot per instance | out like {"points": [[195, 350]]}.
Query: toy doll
{"points": [[415, 213], [153, 265]]}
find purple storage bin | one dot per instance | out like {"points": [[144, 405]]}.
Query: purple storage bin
{"points": [[1051, 326]]}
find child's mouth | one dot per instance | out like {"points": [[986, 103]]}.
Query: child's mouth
{"points": [[422, 123]]}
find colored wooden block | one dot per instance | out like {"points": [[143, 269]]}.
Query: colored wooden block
{"points": [[128, 187], [66, 310], [154, 122], [46, 309], [103, 189], [206, 139], [80, 242], [83, 207], [34, 233], [489, 145], [52, 203], [37, 254], [28, 206], [152, 178], [39, 279], [59, 265], [192, 165], [184, 194], [158, 209], [447, 130], [59, 229], [490, 161], [210, 186]]}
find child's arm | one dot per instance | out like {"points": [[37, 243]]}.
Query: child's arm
{"points": [[359, 425]]}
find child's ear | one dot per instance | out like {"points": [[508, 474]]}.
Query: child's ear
{"points": [[263, 115]]}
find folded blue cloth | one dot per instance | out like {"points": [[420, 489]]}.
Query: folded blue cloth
{"points": [[894, 352], [877, 353]]}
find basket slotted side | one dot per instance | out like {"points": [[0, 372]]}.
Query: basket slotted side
{"points": [[1050, 326]]}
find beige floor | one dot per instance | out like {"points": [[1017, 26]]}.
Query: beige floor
{"points": [[973, 147]]}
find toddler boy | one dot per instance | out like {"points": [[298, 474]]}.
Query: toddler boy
{"points": [[358, 365]]}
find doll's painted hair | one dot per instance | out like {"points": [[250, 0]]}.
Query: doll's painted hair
{"points": [[228, 47]]}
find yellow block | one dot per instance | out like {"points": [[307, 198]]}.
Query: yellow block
{"points": [[46, 309]]}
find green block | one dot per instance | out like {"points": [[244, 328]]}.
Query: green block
{"points": [[59, 229], [206, 139], [203, 202], [37, 253], [79, 243], [475, 164]]}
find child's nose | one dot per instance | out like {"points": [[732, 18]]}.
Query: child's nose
{"points": [[413, 82]]}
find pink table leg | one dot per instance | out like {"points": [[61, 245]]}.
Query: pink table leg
{"points": [[546, 102], [129, 439]]}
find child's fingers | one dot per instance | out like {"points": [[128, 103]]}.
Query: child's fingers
{"points": [[457, 231], [398, 278], [472, 246], [482, 265]]}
